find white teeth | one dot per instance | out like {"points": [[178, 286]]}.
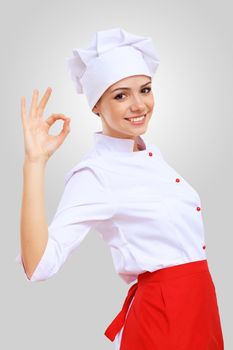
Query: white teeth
{"points": [[137, 119]]}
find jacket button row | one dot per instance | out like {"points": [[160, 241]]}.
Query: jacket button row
{"points": [[178, 180]]}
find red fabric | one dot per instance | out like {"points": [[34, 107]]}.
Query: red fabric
{"points": [[174, 308]]}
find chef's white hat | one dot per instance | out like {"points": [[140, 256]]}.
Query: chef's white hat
{"points": [[111, 55]]}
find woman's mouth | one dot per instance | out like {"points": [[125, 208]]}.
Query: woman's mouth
{"points": [[137, 120]]}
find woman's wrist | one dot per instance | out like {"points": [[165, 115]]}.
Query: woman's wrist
{"points": [[34, 163]]}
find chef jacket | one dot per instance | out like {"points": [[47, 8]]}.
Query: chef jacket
{"points": [[147, 213]]}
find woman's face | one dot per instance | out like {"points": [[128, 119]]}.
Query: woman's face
{"points": [[127, 98]]}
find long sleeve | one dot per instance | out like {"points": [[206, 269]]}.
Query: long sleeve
{"points": [[85, 202]]}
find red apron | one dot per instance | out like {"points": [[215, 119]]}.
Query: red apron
{"points": [[174, 308]]}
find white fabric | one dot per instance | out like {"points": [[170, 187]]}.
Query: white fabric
{"points": [[148, 220], [110, 56]]}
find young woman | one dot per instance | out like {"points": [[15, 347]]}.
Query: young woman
{"points": [[147, 213]]}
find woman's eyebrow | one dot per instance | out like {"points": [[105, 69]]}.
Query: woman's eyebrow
{"points": [[126, 88]]}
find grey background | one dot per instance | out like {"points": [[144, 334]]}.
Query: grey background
{"points": [[192, 125]]}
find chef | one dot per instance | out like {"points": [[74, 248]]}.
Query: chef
{"points": [[147, 213]]}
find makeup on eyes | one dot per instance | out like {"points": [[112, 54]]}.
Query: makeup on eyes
{"points": [[115, 97]]}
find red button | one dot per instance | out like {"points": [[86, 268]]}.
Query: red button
{"points": [[204, 246], [150, 154], [198, 208], [177, 180]]}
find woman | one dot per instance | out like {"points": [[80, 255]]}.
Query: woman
{"points": [[146, 212]]}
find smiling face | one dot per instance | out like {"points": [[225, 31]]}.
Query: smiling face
{"points": [[127, 98]]}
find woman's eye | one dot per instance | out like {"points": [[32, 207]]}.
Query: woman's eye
{"points": [[148, 88], [119, 95], [116, 97]]}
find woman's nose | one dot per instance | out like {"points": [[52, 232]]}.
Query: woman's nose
{"points": [[137, 104]]}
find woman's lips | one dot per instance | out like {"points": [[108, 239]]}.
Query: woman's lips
{"points": [[138, 122]]}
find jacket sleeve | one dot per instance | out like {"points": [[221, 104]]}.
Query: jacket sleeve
{"points": [[85, 202]]}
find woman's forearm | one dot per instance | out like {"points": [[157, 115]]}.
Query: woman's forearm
{"points": [[33, 224]]}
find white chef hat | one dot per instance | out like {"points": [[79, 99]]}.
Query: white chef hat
{"points": [[111, 55]]}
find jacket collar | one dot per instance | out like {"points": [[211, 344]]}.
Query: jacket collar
{"points": [[117, 144]]}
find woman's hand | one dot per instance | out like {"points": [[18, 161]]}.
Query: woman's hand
{"points": [[39, 145]]}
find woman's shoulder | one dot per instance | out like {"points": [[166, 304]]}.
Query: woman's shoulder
{"points": [[89, 163]]}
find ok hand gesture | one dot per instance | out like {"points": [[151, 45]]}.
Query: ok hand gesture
{"points": [[39, 145]]}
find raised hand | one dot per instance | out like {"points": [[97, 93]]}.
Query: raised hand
{"points": [[39, 145]]}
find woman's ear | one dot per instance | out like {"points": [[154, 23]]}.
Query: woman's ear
{"points": [[95, 110]]}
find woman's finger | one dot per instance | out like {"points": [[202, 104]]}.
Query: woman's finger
{"points": [[32, 112], [65, 130], [50, 121], [43, 102]]}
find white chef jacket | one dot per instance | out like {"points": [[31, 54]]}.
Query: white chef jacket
{"points": [[147, 213]]}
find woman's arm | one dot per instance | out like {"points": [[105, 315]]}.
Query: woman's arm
{"points": [[33, 225], [39, 146]]}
